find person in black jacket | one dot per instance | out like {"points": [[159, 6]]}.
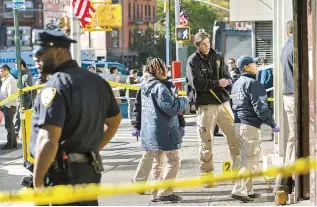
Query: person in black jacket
{"points": [[145, 165], [205, 71], [251, 110]]}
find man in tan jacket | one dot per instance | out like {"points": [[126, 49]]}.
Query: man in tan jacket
{"points": [[9, 87]]}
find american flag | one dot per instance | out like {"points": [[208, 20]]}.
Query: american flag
{"points": [[83, 11], [183, 17]]}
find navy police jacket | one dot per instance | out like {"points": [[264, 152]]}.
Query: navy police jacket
{"points": [[249, 102]]}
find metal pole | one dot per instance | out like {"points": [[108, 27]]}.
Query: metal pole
{"points": [[106, 45], [215, 5], [169, 25], [167, 35], [176, 24], [17, 49], [122, 36], [75, 34], [18, 57]]}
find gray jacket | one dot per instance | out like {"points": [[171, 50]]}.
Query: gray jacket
{"points": [[26, 82], [287, 66]]}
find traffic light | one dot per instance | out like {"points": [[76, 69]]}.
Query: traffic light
{"points": [[61, 23], [183, 34], [92, 25], [109, 15], [68, 25]]}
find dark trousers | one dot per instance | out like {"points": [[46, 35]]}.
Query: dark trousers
{"points": [[9, 126], [216, 130], [17, 123], [82, 173]]}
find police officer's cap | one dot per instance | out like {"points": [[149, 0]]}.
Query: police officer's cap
{"points": [[50, 38], [245, 60]]}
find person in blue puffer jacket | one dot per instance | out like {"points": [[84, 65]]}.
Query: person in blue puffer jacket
{"points": [[160, 129]]}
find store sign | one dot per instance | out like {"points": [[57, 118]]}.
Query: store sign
{"points": [[7, 60], [19, 4]]}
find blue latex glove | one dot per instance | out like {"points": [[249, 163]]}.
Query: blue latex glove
{"points": [[276, 129], [136, 133], [182, 131]]}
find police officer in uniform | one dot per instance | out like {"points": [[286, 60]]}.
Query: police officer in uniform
{"points": [[70, 114]]}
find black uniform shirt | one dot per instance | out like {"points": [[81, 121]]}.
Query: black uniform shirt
{"points": [[78, 101]]}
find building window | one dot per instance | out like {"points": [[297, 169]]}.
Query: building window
{"points": [[142, 11], [28, 5], [54, 1], [25, 36], [115, 38], [137, 11], [145, 11], [153, 13], [8, 11], [149, 10], [129, 10], [130, 38], [134, 12]]}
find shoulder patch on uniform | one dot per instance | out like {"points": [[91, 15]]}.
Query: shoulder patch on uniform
{"points": [[47, 95], [218, 62]]}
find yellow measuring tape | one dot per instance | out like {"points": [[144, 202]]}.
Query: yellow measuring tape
{"points": [[67, 193]]}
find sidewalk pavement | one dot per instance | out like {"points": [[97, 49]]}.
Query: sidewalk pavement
{"points": [[220, 195], [121, 158]]}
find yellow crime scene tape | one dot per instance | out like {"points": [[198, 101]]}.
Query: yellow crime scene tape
{"points": [[68, 193], [21, 91], [131, 87], [111, 83]]}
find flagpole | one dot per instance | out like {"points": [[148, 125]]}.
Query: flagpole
{"points": [[176, 24], [75, 34], [167, 33]]}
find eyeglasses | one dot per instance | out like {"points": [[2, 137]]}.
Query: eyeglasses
{"points": [[230, 63]]}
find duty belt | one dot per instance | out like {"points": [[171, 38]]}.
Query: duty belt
{"points": [[78, 158], [91, 157]]}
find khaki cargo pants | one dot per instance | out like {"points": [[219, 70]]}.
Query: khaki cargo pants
{"points": [[289, 142], [250, 139], [207, 117], [154, 160], [144, 167], [161, 172]]}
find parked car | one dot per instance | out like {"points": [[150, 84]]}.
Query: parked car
{"points": [[103, 66]]}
